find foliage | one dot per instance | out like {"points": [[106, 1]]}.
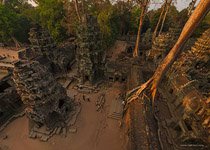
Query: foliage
{"points": [[171, 18], [51, 15], [12, 24], [204, 25], [60, 18], [183, 17], [108, 23]]}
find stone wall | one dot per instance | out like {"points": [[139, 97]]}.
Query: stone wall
{"points": [[195, 63], [182, 114], [185, 93], [10, 101]]}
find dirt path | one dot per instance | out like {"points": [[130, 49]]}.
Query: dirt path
{"points": [[95, 131]]}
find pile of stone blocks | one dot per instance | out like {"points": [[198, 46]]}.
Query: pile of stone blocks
{"points": [[90, 55], [47, 103]]}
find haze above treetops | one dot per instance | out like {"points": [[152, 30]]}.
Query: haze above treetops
{"points": [[155, 4]]}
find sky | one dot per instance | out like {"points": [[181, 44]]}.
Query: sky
{"points": [[181, 4]]}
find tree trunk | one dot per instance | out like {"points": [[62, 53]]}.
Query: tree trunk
{"points": [[159, 20], [141, 19], [200, 12], [164, 18], [77, 9]]}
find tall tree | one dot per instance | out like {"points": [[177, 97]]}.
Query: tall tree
{"points": [[13, 25], [144, 5], [159, 20], [51, 15], [77, 9], [197, 16], [168, 4]]}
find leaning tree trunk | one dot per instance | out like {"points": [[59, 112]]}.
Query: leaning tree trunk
{"points": [[164, 18], [77, 9], [141, 19], [200, 12], [159, 20], [197, 16]]}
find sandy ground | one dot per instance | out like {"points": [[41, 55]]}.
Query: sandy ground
{"points": [[95, 131]]}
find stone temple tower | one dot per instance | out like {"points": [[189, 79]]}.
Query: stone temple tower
{"points": [[47, 103], [90, 55], [41, 41]]}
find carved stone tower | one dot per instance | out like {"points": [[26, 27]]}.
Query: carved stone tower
{"points": [[46, 100], [90, 54]]}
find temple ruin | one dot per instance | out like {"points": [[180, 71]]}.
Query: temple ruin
{"points": [[161, 45], [42, 44], [181, 108], [90, 54], [46, 100], [83, 94]]}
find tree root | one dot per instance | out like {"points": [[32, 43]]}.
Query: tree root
{"points": [[138, 91]]}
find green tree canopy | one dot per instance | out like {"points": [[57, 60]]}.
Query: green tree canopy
{"points": [[51, 15], [12, 24]]}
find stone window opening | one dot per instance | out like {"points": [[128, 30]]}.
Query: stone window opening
{"points": [[1, 113], [141, 53], [87, 78], [61, 103], [171, 91], [111, 78], [159, 57], [67, 109], [123, 79], [188, 125], [129, 50], [117, 78], [4, 86]]}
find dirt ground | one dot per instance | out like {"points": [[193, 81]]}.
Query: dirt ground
{"points": [[95, 131]]}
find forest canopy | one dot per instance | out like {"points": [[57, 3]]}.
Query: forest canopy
{"points": [[61, 18]]}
